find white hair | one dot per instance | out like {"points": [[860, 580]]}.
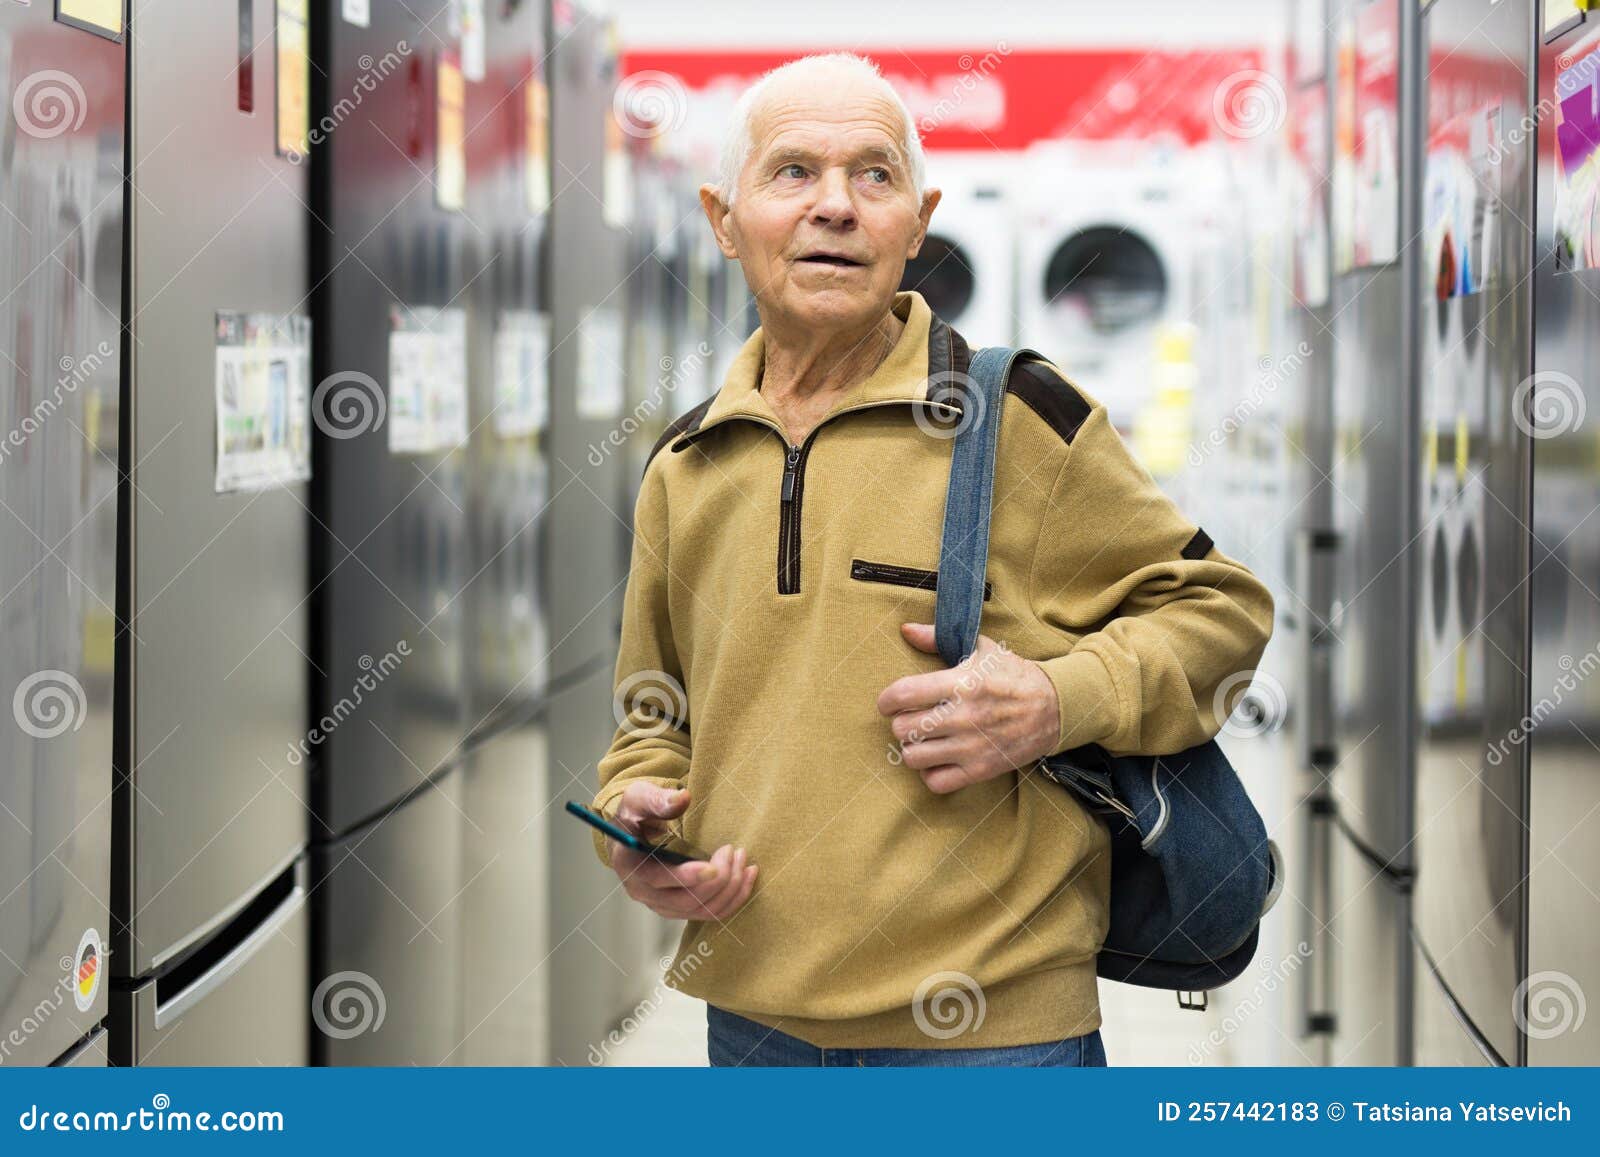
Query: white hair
{"points": [[736, 146]]}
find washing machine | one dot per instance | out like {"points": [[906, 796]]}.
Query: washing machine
{"points": [[966, 268], [1107, 239]]}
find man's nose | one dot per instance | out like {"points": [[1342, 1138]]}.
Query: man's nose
{"points": [[834, 205]]}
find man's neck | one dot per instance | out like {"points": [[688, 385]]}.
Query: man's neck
{"points": [[806, 372]]}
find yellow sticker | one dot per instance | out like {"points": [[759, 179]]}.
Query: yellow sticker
{"points": [[450, 160], [96, 15], [294, 79], [1461, 448], [536, 144]]}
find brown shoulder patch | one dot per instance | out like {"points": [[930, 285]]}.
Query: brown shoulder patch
{"points": [[1051, 396], [1199, 546]]}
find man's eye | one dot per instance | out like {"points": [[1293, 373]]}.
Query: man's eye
{"points": [[792, 170], [882, 174]]}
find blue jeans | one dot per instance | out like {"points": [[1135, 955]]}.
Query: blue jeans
{"points": [[732, 1040]]}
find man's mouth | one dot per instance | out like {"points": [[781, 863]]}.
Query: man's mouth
{"points": [[838, 259]]}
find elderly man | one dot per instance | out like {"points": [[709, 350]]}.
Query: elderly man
{"points": [[925, 895]]}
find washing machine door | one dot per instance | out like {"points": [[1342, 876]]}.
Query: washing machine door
{"points": [[1106, 279], [942, 272]]}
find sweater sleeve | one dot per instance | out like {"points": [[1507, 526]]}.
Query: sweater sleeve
{"points": [[650, 697], [1164, 621]]}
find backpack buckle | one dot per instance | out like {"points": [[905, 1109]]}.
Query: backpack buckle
{"points": [[1116, 805], [1192, 1000]]}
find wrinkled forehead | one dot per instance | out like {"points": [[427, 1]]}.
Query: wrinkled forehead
{"points": [[826, 115]]}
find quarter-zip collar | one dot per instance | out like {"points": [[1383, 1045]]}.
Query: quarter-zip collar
{"points": [[926, 354]]}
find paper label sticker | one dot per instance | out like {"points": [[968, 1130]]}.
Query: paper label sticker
{"points": [[263, 373], [1577, 159], [1377, 135], [427, 379], [1560, 15], [1309, 177], [616, 174], [600, 365], [474, 47], [102, 16], [357, 12], [521, 383]]}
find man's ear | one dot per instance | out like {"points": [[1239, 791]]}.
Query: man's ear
{"points": [[717, 211], [930, 201]]}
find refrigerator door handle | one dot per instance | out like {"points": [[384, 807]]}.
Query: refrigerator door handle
{"points": [[169, 1010]]}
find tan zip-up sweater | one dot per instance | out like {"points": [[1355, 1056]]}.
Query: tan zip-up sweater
{"points": [[763, 611]]}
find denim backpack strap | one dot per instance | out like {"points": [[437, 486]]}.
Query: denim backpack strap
{"points": [[964, 550]]}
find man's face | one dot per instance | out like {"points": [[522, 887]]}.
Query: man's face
{"points": [[825, 216]]}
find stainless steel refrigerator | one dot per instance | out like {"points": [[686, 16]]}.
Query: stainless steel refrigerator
{"points": [[507, 877], [1307, 595], [1473, 289], [1562, 960], [604, 948], [61, 253], [390, 559], [210, 931], [1369, 760]]}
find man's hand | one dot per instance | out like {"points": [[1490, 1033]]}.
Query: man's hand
{"points": [[711, 889], [963, 725]]}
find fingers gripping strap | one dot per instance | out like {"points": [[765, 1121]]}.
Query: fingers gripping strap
{"points": [[964, 549]]}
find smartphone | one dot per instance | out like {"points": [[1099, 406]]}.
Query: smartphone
{"points": [[628, 840]]}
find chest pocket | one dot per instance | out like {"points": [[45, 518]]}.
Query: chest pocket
{"points": [[904, 576]]}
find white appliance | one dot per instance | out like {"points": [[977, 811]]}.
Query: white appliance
{"points": [[1107, 237], [966, 268]]}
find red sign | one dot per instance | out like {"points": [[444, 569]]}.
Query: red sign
{"points": [[1004, 99]]}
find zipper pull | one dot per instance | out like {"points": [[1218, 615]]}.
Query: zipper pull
{"points": [[790, 465]]}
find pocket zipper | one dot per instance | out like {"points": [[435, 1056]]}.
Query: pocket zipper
{"points": [[905, 576]]}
